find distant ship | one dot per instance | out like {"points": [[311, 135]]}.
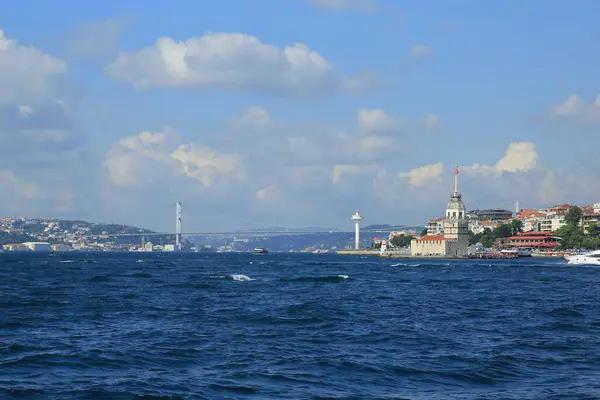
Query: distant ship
{"points": [[260, 250]]}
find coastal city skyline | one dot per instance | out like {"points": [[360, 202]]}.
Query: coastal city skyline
{"points": [[355, 104]]}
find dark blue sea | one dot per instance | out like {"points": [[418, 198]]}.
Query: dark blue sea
{"points": [[291, 326]]}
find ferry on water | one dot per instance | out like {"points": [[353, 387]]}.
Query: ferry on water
{"points": [[260, 250]]}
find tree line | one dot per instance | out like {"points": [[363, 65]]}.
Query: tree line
{"points": [[574, 236]]}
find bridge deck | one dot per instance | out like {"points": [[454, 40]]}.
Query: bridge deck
{"points": [[230, 233]]}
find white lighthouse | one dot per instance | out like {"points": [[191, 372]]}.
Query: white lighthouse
{"points": [[356, 217]]}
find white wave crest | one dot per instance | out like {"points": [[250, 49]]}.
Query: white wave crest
{"points": [[240, 277]]}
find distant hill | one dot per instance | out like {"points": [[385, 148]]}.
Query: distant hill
{"points": [[18, 230], [285, 243]]}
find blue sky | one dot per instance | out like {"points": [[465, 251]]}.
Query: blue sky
{"points": [[295, 111]]}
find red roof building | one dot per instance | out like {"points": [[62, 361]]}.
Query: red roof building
{"points": [[561, 209], [432, 238], [534, 239], [529, 213]]}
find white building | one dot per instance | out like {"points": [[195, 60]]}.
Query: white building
{"points": [[476, 226], [61, 247], [15, 247], [148, 246], [39, 246], [551, 222], [435, 226], [455, 238]]}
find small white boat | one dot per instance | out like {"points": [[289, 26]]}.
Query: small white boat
{"points": [[260, 250], [517, 252], [591, 258]]}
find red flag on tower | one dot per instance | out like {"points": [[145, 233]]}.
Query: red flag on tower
{"points": [[456, 170]]}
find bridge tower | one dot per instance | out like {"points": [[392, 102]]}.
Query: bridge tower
{"points": [[178, 214]]}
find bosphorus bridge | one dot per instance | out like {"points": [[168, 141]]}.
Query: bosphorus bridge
{"points": [[179, 233]]}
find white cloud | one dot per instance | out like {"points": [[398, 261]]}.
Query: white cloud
{"points": [[19, 188], [519, 156], [430, 174], [576, 109], [376, 122], [27, 74], [254, 118], [433, 123], [231, 61], [267, 194], [353, 173], [420, 50], [517, 175], [347, 5], [330, 147], [25, 111], [207, 166], [301, 145], [142, 160]]}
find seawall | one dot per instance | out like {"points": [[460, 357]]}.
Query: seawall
{"points": [[391, 254], [365, 252]]}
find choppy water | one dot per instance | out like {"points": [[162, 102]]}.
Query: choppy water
{"points": [[155, 326]]}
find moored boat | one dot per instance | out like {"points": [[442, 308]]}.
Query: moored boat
{"points": [[260, 250], [518, 251]]}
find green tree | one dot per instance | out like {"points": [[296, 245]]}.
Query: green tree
{"points": [[486, 238], [516, 226], [592, 230], [592, 243], [487, 241], [503, 231], [474, 238], [424, 232], [573, 216], [571, 236], [401, 240]]}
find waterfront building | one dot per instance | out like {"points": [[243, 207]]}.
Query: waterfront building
{"points": [[537, 240], [169, 247], [455, 238], [39, 246], [59, 247], [15, 247]]}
